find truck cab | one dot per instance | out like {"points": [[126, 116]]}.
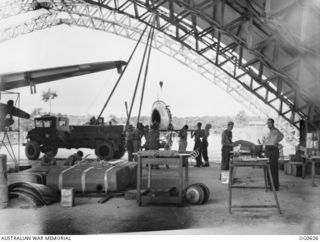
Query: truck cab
{"points": [[48, 134]]}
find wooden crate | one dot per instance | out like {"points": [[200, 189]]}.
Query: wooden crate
{"points": [[296, 170], [67, 197], [287, 168]]}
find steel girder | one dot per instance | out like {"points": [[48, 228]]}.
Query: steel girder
{"points": [[92, 16], [124, 26], [222, 40]]}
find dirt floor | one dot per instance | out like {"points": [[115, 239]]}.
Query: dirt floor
{"points": [[299, 203]]}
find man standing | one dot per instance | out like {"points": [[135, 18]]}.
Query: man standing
{"points": [[205, 144], [198, 134], [137, 135], [153, 141], [129, 142], [272, 151], [227, 146], [183, 135]]}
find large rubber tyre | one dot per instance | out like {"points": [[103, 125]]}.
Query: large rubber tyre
{"points": [[32, 150], [119, 153], [104, 151]]}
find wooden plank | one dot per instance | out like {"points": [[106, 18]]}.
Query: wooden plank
{"points": [[160, 199], [254, 206], [250, 187]]}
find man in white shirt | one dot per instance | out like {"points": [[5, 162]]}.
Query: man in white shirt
{"points": [[272, 151]]}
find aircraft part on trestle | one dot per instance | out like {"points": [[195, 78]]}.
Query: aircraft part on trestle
{"points": [[10, 110], [161, 114]]}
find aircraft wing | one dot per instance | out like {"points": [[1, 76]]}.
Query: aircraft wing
{"points": [[31, 78]]}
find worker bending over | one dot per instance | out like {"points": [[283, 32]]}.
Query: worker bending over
{"points": [[74, 158]]}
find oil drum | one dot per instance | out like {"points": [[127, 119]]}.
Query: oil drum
{"points": [[3, 182]]}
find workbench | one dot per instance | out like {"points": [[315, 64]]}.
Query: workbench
{"points": [[180, 160], [238, 161]]}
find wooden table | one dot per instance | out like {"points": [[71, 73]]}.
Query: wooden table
{"points": [[181, 160], [251, 162]]}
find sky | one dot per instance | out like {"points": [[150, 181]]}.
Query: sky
{"points": [[185, 91]]}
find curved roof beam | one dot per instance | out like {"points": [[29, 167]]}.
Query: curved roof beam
{"points": [[102, 19], [229, 34]]}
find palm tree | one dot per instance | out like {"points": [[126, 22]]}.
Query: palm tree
{"points": [[48, 96]]}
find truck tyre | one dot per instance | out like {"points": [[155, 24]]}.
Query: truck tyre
{"points": [[119, 153], [104, 151], [32, 150]]}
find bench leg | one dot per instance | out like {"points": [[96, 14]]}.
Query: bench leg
{"points": [[272, 187], [265, 178], [230, 188]]}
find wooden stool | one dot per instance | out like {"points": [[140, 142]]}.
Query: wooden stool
{"points": [[252, 162]]}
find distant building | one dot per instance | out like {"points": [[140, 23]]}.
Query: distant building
{"points": [[257, 123]]}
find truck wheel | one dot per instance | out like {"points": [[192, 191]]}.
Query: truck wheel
{"points": [[119, 153], [104, 151], [32, 150]]}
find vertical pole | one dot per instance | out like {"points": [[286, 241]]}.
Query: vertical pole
{"points": [[265, 177], [19, 143], [180, 179], [186, 171], [230, 186], [139, 174], [3, 182], [313, 171], [149, 176]]}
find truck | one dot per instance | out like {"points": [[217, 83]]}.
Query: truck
{"points": [[53, 132]]}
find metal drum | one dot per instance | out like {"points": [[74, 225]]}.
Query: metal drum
{"points": [[3, 182]]}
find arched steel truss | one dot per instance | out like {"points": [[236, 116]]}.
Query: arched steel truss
{"points": [[94, 17]]}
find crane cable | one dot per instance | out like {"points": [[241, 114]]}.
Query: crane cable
{"points": [[130, 58], [138, 79], [145, 75]]}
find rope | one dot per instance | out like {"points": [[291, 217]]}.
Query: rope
{"points": [[138, 79], [146, 72], [115, 86]]}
